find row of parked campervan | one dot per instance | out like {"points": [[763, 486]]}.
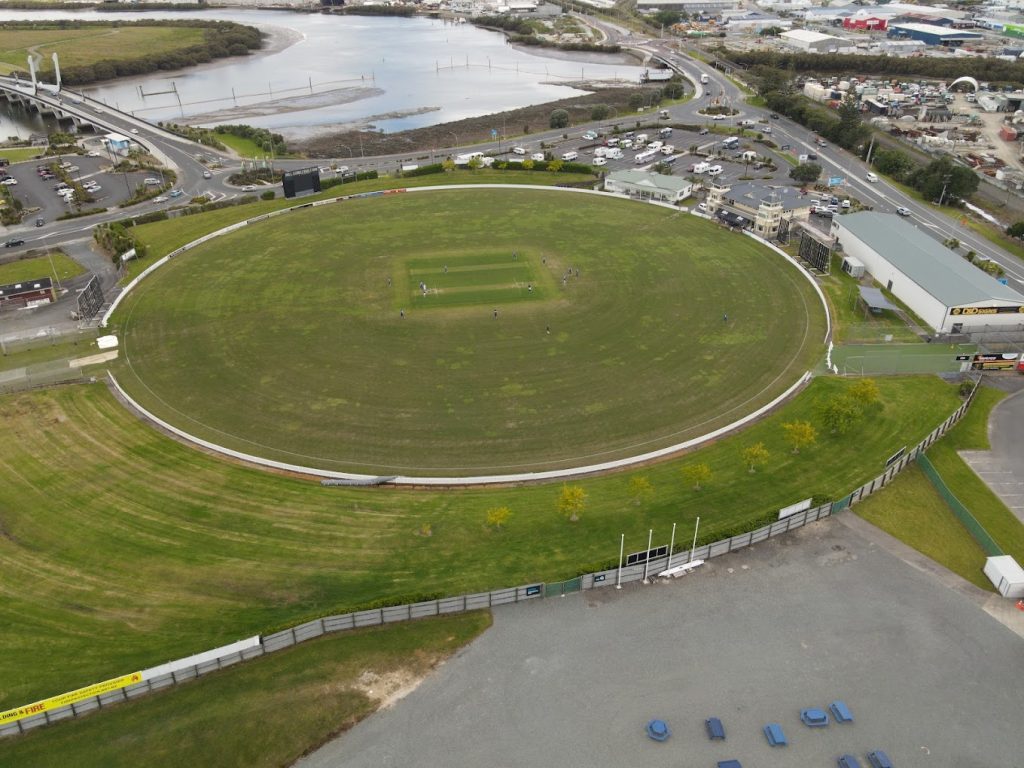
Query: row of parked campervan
{"points": [[703, 167]]}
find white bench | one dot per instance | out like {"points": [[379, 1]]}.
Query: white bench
{"points": [[681, 570]]}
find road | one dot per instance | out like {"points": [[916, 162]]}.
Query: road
{"points": [[187, 158]]}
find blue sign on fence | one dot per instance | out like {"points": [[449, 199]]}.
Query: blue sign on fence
{"points": [[494, 133], [599, 577], [531, 591], [835, 181]]}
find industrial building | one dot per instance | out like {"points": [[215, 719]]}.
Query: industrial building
{"points": [[27, 293], [931, 34], [648, 186], [941, 287], [814, 42], [711, 7]]}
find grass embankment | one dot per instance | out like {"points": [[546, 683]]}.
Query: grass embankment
{"points": [[162, 237], [88, 45], [263, 714], [45, 350], [120, 548], [21, 154], [63, 268], [913, 511], [851, 321], [240, 145], [502, 365]]}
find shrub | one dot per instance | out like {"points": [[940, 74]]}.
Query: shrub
{"points": [[268, 195], [559, 119]]}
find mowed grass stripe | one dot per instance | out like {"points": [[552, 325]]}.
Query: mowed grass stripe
{"points": [[271, 340], [120, 548]]}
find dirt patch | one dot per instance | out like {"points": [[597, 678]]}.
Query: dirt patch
{"points": [[388, 688], [526, 120]]}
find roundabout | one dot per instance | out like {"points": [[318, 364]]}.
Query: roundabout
{"points": [[467, 332]]}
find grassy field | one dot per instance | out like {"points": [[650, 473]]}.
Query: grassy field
{"points": [[280, 337], [63, 268], [306, 695], [80, 47], [20, 154], [140, 550], [912, 510], [162, 237]]}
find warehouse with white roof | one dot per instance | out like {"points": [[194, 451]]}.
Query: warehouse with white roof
{"points": [[941, 287]]}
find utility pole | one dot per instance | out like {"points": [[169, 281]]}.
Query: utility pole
{"points": [[945, 183], [871, 148]]}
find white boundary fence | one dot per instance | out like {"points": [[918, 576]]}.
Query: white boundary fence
{"points": [[450, 481], [204, 663]]}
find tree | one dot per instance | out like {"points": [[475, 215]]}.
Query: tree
{"points": [[1016, 229], [640, 489], [498, 516], [527, 164], [893, 163], [559, 119], [673, 91], [806, 172], [666, 18], [600, 112], [474, 163], [840, 413], [448, 164], [637, 100], [697, 475], [865, 392], [571, 502], [755, 456], [665, 169], [943, 179], [555, 165], [800, 434], [849, 131]]}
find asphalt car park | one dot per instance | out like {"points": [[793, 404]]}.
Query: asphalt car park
{"points": [[836, 610], [38, 191]]}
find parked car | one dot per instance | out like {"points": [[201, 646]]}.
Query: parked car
{"points": [[14, 241], [151, 182], [93, 153], [518, 150], [10, 182], [600, 161], [537, 157], [903, 211]]}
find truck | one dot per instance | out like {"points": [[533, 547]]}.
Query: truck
{"points": [[730, 142], [704, 78], [700, 167]]}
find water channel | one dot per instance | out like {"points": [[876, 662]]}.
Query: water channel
{"points": [[327, 72]]}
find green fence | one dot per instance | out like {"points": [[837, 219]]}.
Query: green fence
{"points": [[976, 529], [558, 588]]}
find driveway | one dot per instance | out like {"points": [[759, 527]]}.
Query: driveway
{"points": [[751, 638], [1002, 467]]}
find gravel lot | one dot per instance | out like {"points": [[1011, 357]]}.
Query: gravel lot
{"points": [[752, 638]]}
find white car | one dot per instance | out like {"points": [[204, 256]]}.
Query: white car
{"points": [[342, 169], [9, 182], [249, 188], [719, 117], [873, 178], [160, 199], [92, 154], [702, 207], [600, 161], [537, 156], [135, 130], [518, 151], [903, 211]]}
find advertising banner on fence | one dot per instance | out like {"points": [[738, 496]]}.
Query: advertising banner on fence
{"points": [[62, 700]]}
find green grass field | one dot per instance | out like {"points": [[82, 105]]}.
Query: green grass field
{"points": [[306, 695], [140, 549], [851, 323], [20, 154], [281, 337], [63, 268], [162, 237], [81, 47]]}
